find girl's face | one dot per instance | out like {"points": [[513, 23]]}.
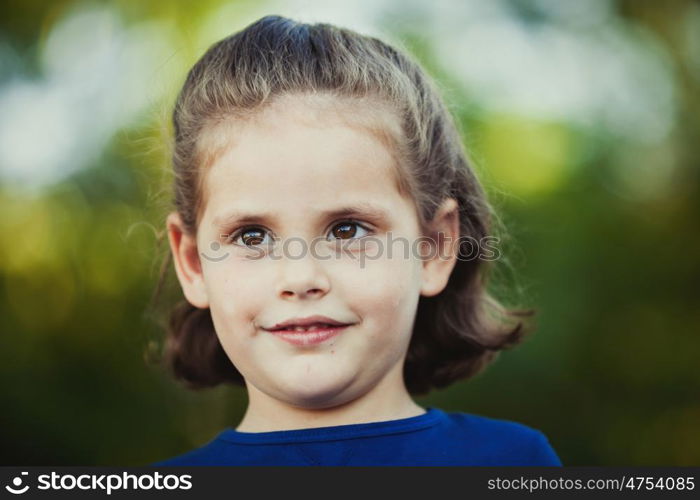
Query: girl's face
{"points": [[327, 190]]}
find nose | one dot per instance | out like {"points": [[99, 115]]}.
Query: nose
{"points": [[302, 278]]}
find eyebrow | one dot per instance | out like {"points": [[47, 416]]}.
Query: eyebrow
{"points": [[368, 211]]}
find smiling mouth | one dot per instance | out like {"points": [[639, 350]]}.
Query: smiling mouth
{"points": [[308, 328], [309, 335]]}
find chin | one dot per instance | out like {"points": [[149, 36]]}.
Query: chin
{"points": [[317, 395]]}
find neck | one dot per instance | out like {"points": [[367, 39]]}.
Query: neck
{"points": [[388, 400]]}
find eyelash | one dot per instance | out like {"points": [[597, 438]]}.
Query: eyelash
{"points": [[236, 234]]}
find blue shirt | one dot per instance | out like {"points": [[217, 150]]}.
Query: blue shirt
{"points": [[433, 438]]}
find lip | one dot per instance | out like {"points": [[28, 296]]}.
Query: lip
{"points": [[310, 338], [307, 321]]}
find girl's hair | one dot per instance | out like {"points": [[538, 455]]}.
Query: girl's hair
{"points": [[456, 333]]}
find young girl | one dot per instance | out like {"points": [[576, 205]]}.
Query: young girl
{"points": [[303, 154]]}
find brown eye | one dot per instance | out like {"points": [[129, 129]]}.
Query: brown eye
{"points": [[252, 237], [346, 230], [343, 231], [249, 237]]}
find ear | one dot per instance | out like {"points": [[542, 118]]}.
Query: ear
{"points": [[442, 248], [187, 264]]}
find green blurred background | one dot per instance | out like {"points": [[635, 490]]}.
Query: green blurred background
{"points": [[583, 119]]}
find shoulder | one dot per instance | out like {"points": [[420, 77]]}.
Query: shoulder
{"points": [[500, 441]]}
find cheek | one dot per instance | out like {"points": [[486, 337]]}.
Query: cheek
{"points": [[385, 289], [236, 294]]}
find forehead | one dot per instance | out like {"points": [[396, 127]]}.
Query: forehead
{"points": [[300, 153]]}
